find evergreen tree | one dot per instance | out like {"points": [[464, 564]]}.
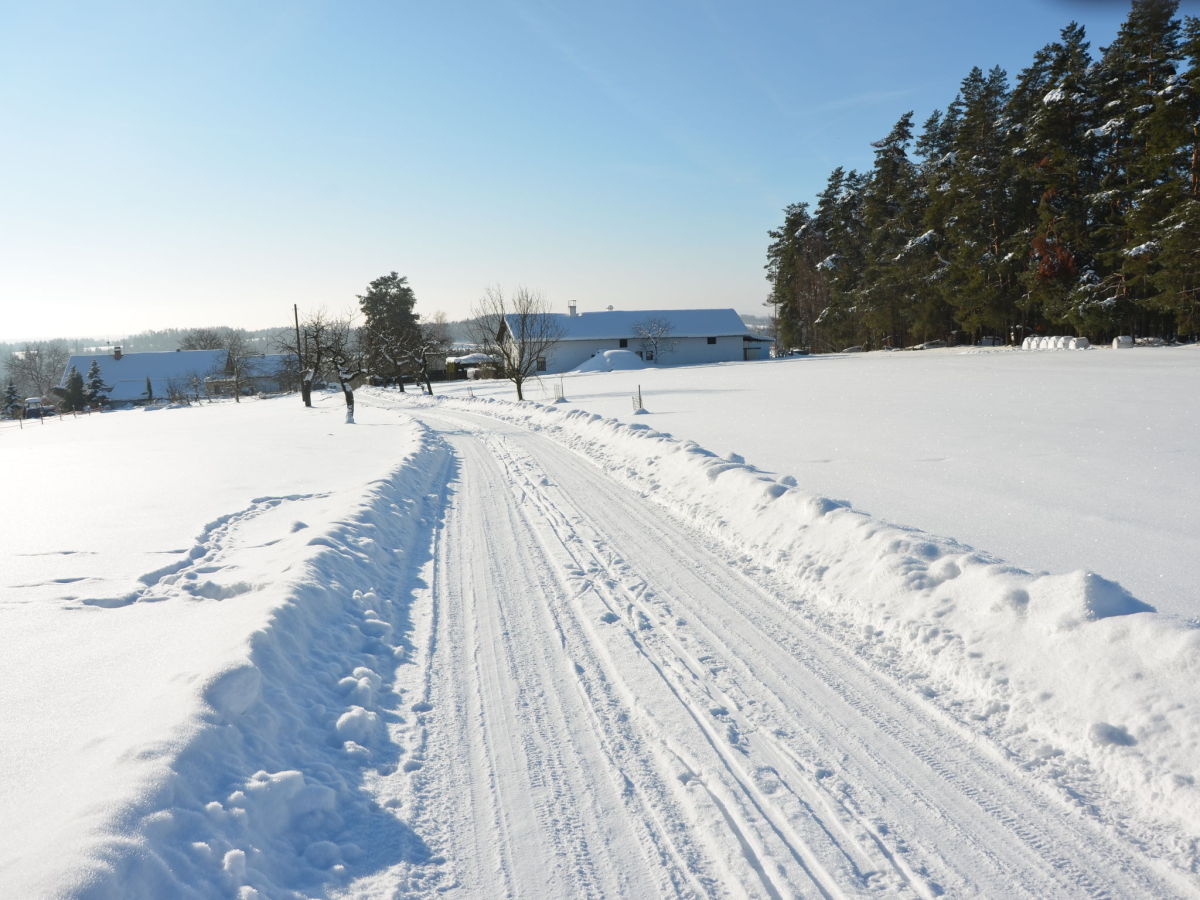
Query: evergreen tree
{"points": [[891, 217], [1176, 274], [1137, 145], [930, 317], [1177, 278], [839, 219], [980, 278], [12, 398], [95, 390], [791, 275], [72, 392], [1056, 105], [389, 324]]}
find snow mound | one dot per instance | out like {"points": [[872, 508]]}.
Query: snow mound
{"points": [[612, 361]]}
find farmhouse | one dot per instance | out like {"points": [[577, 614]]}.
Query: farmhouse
{"points": [[178, 372], [672, 337], [259, 373]]}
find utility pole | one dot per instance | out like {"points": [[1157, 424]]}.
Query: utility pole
{"points": [[305, 381]]}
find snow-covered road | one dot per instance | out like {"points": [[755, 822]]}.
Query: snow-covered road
{"points": [[608, 703], [503, 649]]}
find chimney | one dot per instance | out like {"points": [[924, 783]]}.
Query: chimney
{"points": [[571, 309], [116, 352]]}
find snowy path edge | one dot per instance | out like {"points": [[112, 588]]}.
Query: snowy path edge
{"points": [[266, 793]]}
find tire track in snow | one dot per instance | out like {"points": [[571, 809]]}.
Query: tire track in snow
{"points": [[999, 833], [617, 591], [525, 827], [726, 809], [1022, 829]]}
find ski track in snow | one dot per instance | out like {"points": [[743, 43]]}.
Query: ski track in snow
{"points": [[607, 705]]}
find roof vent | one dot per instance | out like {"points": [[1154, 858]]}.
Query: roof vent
{"points": [[571, 310]]}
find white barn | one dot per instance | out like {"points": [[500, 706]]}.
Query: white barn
{"points": [[692, 336]]}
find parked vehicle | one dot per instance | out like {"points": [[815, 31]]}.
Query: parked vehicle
{"points": [[37, 408]]}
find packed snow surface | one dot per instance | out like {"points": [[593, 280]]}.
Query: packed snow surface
{"points": [[503, 649]]}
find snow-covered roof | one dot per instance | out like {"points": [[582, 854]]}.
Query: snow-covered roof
{"points": [[471, 359], [127, 375], [620, 323], [266, 365]]}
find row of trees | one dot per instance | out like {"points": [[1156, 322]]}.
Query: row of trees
{"points": [[516, 330], [1067, 200], [390, 345]]}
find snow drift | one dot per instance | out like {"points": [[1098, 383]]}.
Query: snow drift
{"points": [[611, 361]]}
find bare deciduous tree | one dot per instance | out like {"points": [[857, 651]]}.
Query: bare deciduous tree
{"points": [[233, 341], [424, 343], [655, 336], [311, 348], [517, 331], [38, 367], [344, 353]]}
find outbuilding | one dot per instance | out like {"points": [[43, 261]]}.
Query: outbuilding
{"points": [[674, 337]]}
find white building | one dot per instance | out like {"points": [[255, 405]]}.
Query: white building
{"points": [[689, 337]]}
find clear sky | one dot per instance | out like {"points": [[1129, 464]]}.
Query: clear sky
{"points": [[198, 162]]}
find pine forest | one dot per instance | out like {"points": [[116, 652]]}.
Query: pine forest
{"points": [[1064, 201]]}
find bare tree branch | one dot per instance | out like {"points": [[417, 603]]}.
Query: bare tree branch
{"points": [[655, 334], [518, 332]]}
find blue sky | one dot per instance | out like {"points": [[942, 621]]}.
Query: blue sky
{"points": [[192, 163]]}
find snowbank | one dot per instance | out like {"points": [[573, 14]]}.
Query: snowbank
{"points": [[1068, 671], [261, 792], [611, 361]]}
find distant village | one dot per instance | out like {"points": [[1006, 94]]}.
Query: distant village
{"points": [[180, 366]]}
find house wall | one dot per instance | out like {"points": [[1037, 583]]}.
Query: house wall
{"points": [[568, 354]]}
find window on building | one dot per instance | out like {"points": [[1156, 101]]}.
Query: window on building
{"points": [[624, 343], [541, 364], [712, 340]]}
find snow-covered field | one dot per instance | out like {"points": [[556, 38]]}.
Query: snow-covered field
{"points": [[554, 650], [1051, 460]]}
